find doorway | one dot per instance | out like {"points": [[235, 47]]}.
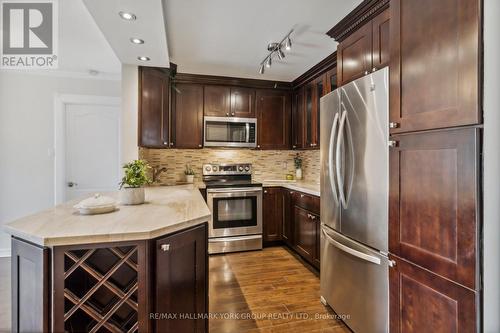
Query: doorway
{"points": [[87, 146]]}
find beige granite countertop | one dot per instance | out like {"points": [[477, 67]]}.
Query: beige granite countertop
{"points": [[167, 209], [311, 188]]}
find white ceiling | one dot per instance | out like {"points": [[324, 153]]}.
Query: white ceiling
{"points": [[149, 26], [230, 37]]}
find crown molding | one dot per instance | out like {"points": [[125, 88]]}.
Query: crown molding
{"points": [[364, 12], [231, 81]]}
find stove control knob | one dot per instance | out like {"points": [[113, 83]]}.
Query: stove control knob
{"points": [[208, 168], [214, 168], [247, 168], [240, 168]]}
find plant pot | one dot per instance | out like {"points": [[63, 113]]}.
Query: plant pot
{"points": [[132, 195], [298, 174], [189, 179]]}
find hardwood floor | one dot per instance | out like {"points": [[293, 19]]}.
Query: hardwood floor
{"points": [[270, 291], [5, 294]]}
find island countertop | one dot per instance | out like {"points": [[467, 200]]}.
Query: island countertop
{"points": [[167, 209]]}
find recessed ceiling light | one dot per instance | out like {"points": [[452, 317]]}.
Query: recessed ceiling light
{"points": [[137, 40], [143, 58], [127, 16]]}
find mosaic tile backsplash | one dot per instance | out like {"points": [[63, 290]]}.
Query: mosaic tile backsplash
{"points": [[267, 164]]}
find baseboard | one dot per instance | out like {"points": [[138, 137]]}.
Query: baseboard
{"points": [[4, 253]]}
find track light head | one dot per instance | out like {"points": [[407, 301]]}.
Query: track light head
{"points": [[281, 54], [261, 69], [269, 61], [288, 44]]}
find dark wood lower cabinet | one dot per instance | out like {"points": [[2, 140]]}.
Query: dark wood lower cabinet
{"points": [[287, 229], [272, 214], [133, 286], [181, 281], [421, 301], [30, 287], [306, 231]]}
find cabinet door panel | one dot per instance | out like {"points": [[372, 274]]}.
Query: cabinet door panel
{"points": [[274, 119], [187, 116], [433, 202], [422, 302], [153, 108], [181, 280], [287, 229], [434, 81], [298, 119], [272, 214], [305, 233], [381, 38], [243, 102], [354, 55], [331, 80], [217, 101]]}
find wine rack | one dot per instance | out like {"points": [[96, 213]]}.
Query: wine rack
{"points": [[100, 286]]}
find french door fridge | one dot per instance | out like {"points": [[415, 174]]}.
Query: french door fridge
{"points": [[354, 202]]}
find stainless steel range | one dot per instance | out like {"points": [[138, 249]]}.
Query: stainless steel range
{"points": [[236, 205]]}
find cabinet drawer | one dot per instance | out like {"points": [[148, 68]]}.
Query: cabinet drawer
{"points": [[306, 201]]}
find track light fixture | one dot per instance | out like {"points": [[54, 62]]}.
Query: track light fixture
{"points": [[276, 48]]}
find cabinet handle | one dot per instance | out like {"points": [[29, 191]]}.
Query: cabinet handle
{"points": [[374, 69], [258, 146], [313, 217], [393, 143], [294, 147], [392, 263], [232, 114], [292, 192], [265, 191], [301, 195], [366, 72], [165, 143], [171, 144], [199, 146], [227, 113], [165, 247], [393, 124]]}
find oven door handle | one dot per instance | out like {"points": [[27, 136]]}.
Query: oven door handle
{"points": [[235, 190]]}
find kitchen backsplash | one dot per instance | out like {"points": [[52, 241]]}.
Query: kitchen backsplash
{"points": [[267, 164]]}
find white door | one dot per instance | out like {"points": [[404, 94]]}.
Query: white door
{"points": [[91, 149]]}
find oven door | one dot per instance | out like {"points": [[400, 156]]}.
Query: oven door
{"points": [[230, 132], [235, 211]]}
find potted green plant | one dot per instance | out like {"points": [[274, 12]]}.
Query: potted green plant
{"points": [[131, 186], [189, 173], [297, 161]]}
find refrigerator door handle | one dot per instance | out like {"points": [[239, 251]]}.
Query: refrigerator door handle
{"points": [[330, 156], [352, 161], [340, 142], [351, 251]]}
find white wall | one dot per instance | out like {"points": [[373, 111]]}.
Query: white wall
{"points": [[130, 88], [27, 139], [491, 278]]}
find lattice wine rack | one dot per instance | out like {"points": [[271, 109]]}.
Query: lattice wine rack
{"points": [[101, 289]]}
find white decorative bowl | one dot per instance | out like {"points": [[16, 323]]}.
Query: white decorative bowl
{"points": [[96, 205]]}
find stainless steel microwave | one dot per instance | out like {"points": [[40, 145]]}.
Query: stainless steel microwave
{"points": [[230, 132]]}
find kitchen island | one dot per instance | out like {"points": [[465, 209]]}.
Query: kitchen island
{"points": [[139, 269]]}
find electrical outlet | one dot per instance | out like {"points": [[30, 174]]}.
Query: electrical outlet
{"points": [[285, 165]]}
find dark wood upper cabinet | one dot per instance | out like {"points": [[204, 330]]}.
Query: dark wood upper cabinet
{"points": [[298, 119], [381, 38], [217, 101], [154, 96], [354, 55], [243, 102], [433, 216], [273, 110], [421, 301], [181, 280], [272, 213], [435, 72], [187, 115], [331, 80]]}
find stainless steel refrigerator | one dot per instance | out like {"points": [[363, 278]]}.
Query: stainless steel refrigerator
{"points": [[354, 202]]}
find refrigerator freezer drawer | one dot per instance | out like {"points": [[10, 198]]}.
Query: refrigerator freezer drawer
{"points": [[355, 282]]}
